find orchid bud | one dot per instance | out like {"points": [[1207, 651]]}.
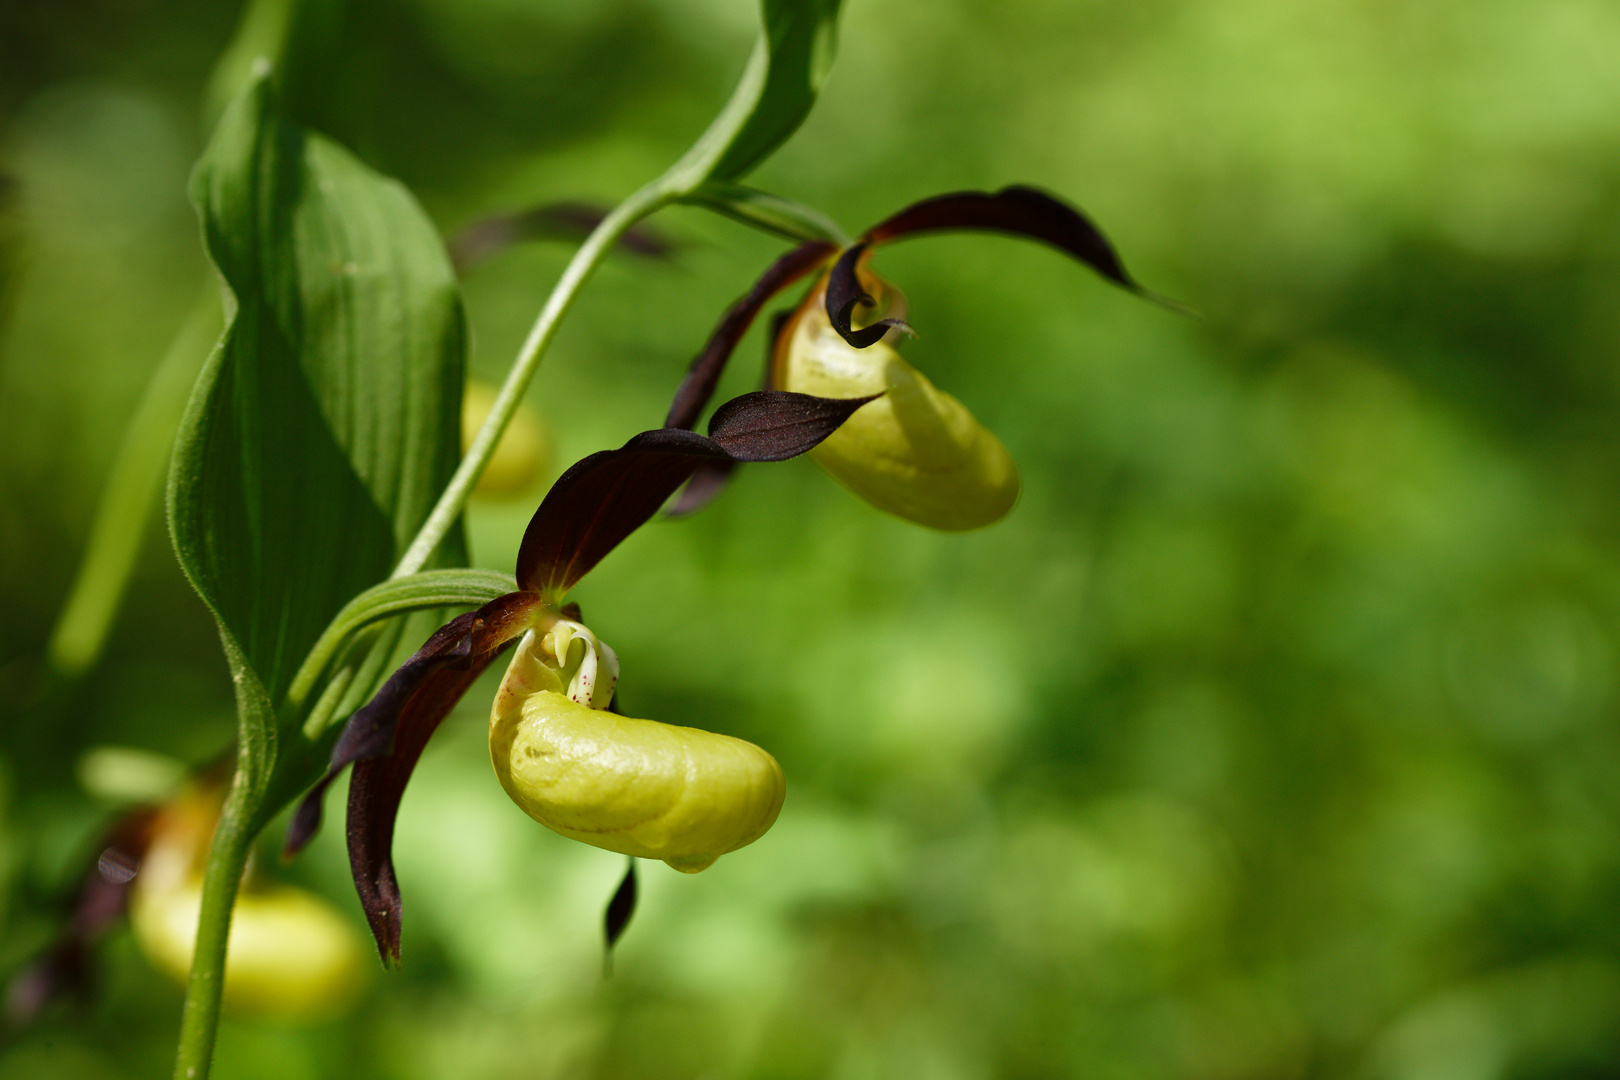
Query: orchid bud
{"points": [[916, 451], [290, 954], [523, 453], [637, 787]]}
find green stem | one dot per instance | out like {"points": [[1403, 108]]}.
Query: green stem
{"points": [[678, 182], [579, 270], [227, 858]]}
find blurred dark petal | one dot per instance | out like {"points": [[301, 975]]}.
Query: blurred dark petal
{"points": [[619, 910], [571, 222]]}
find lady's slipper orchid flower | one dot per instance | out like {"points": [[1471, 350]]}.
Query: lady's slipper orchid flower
{"points": [[292, 956], [915, 450], [633, 786]]}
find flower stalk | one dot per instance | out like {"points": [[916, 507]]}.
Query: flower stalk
{"points": [[227, 859]]}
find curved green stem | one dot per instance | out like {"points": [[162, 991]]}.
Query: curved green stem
{"points": [[678, 182], [579, 269], [227, 858]]}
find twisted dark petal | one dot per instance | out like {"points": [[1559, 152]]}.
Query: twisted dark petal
{"points": [[604, 498], [698, 386], [410, 705], [488, 237], [620, 908], [376, 787], [703, 488], [712, 477], [774, 425], [844, 292], [1017, 210]]}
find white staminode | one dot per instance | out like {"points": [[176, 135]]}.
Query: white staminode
{"points": [[588, 668]]}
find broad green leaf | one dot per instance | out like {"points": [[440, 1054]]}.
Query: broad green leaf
{"points": [[327, 421], [781, 83]]}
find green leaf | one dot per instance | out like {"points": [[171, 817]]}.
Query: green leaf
{"points": [[775, 95], [416, 592], [327, 421], [767, 212]]}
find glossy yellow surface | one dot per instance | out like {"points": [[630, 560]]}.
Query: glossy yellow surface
{"points": [[291, 955], [916, 452], [522, 456], [638, 787]]}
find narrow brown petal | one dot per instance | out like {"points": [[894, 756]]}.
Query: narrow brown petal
{"points": [[774, 425], [706, 484], [620, 908], [467, 640], [604, 498], [698, 386], [844, 291], [713, 477], [1020, 211], [376, 787]]}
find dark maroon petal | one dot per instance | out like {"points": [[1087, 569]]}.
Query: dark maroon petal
{"points": [[774, 425], [844, 292], [65, 970], [698, 386], [604, 498], [710, 479], [601, 500], [713, 477], [465, 642], [1020, 211], [488, 237], [620, 908], [376, 787]]}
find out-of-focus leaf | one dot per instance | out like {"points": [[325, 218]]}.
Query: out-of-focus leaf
{"points": [[325, 424], [780, 85], [129, 496]]}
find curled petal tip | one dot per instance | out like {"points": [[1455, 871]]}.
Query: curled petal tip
{"points": [[916, 452]]}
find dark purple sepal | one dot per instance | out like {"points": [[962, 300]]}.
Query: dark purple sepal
{"points": [[466, 641], [844, 291], [484, 239], [705, 486], [604, 498], [378, 783], [619, 909], [775, 425], [698, 387], [1017, 210]]}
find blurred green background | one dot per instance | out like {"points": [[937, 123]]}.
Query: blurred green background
{"points": [[1271, 736]]}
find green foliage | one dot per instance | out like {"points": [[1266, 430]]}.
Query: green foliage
{"points": [[1271, 735], [325, 424], [801, 37]]}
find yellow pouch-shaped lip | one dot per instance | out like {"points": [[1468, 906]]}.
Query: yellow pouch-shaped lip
{"points": [[290, 955], [638, 787], [916, 452]]}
